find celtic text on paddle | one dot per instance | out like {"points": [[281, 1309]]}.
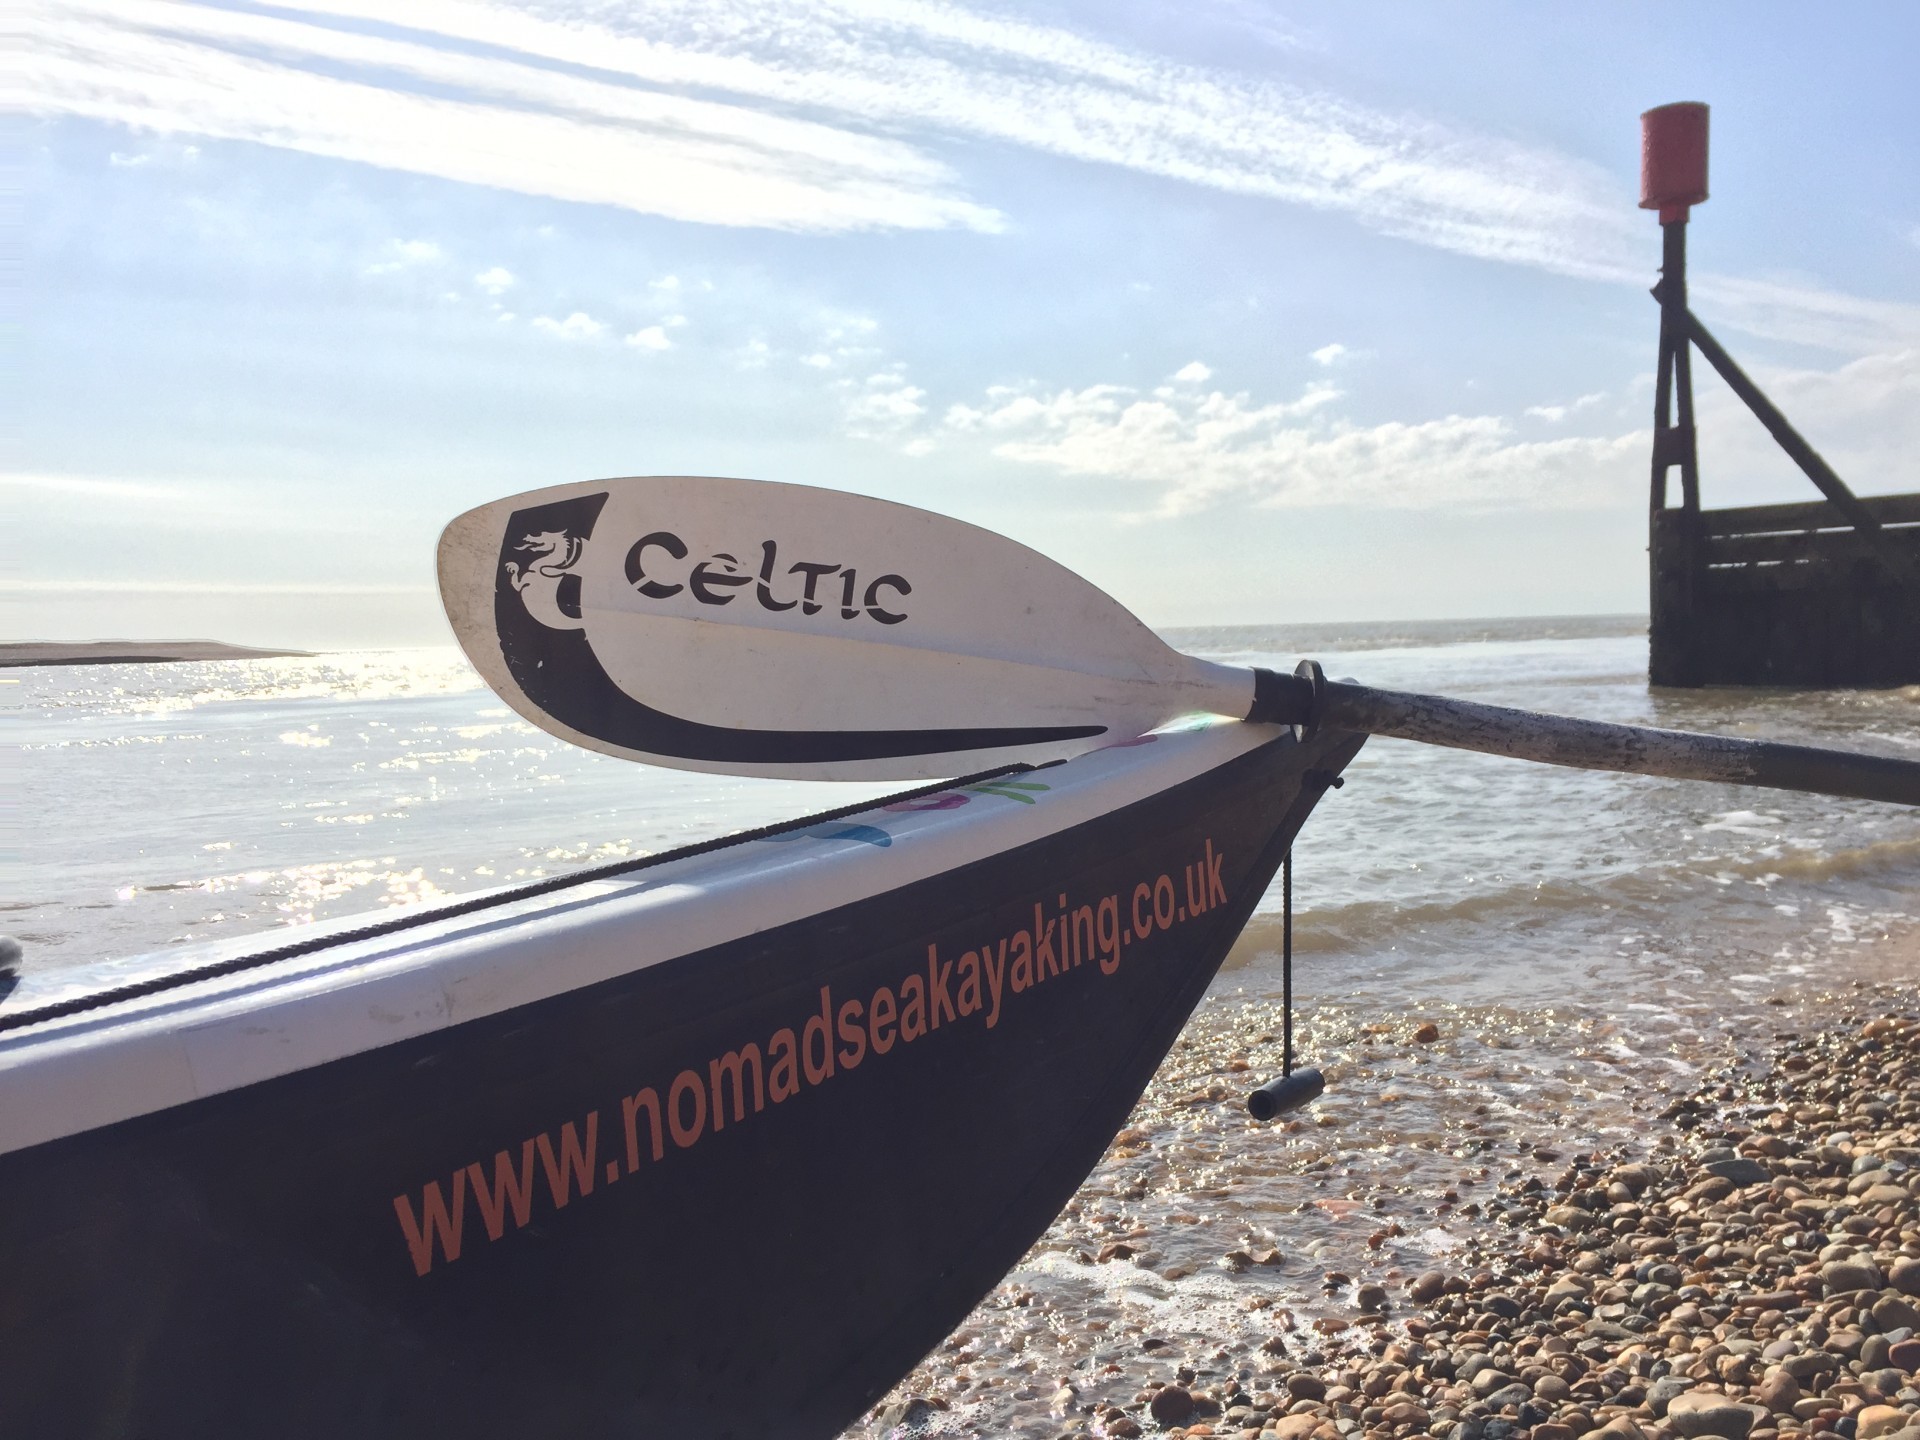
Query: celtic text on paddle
{"points": [[846, 1032]]}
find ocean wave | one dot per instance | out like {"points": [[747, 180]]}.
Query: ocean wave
{"points": [[1704, 890]]}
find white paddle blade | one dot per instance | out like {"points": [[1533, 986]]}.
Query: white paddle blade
{"points": [[750, 628]]}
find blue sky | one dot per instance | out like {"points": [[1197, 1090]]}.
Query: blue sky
{"points": [[1249, 312]]}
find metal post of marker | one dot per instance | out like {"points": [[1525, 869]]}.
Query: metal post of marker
{"points": [[1290, 1091]]}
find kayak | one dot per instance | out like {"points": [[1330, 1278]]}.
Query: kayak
{"points": [[721, 1141]]}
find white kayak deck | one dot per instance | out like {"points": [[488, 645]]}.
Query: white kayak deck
{"points": [[355, 992]]}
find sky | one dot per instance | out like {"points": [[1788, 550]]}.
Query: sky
{"points": [[1249, 312]]}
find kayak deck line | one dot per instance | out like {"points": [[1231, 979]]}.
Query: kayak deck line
{"points": [[427, 915]]}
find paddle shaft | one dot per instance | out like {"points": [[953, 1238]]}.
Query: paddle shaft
{"points": [[1585, 744]]}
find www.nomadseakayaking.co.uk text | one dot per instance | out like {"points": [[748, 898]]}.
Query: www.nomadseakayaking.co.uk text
{"points": [[841, 1036]]}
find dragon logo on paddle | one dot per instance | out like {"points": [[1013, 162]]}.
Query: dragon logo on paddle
{"points": [[547, 587]]}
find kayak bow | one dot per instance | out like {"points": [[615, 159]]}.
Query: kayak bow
{"points": [[762, 1120]]}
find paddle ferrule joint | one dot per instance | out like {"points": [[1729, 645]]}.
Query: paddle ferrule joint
{"points": [[1298, 699]]}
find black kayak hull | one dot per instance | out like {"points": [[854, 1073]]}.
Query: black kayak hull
{"points": [[738, 1193]]}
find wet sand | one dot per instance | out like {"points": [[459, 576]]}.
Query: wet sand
{"points": [[1256, 1280]]}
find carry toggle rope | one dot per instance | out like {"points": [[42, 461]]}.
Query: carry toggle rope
{"points": [[1291, 1090]]}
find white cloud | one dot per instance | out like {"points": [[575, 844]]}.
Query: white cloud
{"points": [[577, 326], [886, 406], [1554, 414], [429, 104], [943, 68], [829, 115], [1193, 373], [651, 338], [1327, 355], [1803, 314], [405, 255], [1193, 452], [1863, 417], [1183, 451], [496, 280]]}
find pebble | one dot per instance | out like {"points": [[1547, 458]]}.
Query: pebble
{"points": [[1779, 1391], [1709, 1412], [1305, 1385], [1663, 1392], [1904, 1275], [1843, 1277], [1171, 1405]]}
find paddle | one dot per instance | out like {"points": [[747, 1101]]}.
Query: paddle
{"points": [[750, 628]]}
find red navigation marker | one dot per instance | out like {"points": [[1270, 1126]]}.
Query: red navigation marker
{"points": [[1673, 159]]}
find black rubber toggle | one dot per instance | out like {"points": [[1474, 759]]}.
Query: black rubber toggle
{"points": [[1289, 1092]]}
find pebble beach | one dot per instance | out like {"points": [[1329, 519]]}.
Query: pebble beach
{"points": [[1745, 1265]]}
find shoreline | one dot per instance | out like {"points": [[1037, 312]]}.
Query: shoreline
{"points": [[1364, 1359], [20, 654]]}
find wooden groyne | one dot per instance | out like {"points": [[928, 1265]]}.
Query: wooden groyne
{"points": [[1784, 595], [1824, 594]]}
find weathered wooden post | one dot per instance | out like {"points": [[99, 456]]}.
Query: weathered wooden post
{"points": [[1673, 177]]}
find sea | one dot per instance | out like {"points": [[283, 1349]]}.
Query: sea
{"points": [[1584, 943]]}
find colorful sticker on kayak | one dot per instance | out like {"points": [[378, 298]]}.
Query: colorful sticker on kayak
{"points": [[1066, 940]]}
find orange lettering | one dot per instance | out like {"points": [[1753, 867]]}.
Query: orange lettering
{"points": [[686, 1083], [821, 1025], [913, 1008], [853, 1033], [1109, 935], [573, 1162], [735, 1063], [508, 1189], [1196, 891], [880, 1017], [630, 1108], [439, 1221], [784, 1051], [1082, 939], [968, 996], [1021, 976]]}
